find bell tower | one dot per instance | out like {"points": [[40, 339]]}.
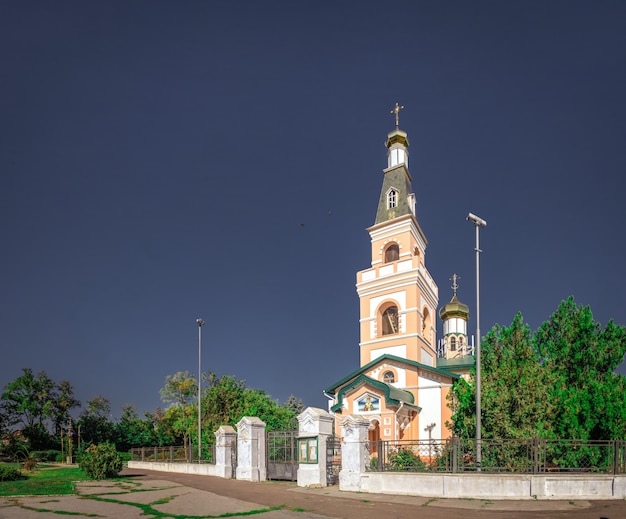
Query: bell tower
{"points": [[455, 316], [398, 297]]}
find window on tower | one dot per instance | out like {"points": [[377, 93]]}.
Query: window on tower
{"points": [[452, 343], [392, 198], [390, 320], [392, 253], [389, 377], [461, 343]]}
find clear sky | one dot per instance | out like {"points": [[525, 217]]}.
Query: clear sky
{"points": [[164, 161]]}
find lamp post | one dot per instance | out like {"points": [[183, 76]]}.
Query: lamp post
{"points": [[200, 325], [478, 223]]}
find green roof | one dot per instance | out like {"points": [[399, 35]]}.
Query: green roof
{"points": [[457, 363], [399, 179], [393, 395], [331, 389]]}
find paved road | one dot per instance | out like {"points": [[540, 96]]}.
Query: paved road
{"points": [[331, 502], [146, 494]]}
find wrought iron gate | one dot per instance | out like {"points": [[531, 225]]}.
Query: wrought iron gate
{"points": [[333, 460], [282, 456], [233, 457]]}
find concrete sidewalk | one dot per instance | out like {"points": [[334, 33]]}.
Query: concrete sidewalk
{"points": [[126, 499]]}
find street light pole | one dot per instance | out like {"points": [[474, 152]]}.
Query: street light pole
{"points": [[478, 223], [200, 324]]}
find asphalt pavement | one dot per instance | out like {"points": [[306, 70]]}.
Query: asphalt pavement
{"points": [[142, 494]]}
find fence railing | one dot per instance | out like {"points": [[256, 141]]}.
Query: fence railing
{"points": [[173, 454], [533, 456]]}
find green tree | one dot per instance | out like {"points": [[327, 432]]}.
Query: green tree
{"points": [[589, 397], [179, 391], [514, 388], [63, 404], [557, 383], [161, 428], [95, 421], [295, 404], [28, 399], [227, 400], [34, 402], [131, 431]]}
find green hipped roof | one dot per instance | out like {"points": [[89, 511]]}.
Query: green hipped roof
{"points": [[393, 395], [400, 180], [361, 371], [457, 363]]}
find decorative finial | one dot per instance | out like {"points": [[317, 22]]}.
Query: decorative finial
{"points": [[454, 283], [396, 111]]}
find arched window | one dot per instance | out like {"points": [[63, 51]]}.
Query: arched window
{"points": [[461, 343], [392, 253], [389, 377], [390, 320], [452, 343], [392, 198]]}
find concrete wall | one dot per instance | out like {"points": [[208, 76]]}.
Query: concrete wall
{"points": [[201, 469], [495, 486]]}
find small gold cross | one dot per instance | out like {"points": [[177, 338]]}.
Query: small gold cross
{"points": [[396, 111], [454, 283]]}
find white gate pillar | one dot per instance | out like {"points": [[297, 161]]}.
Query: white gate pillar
{"points": [[251, 462], [354, 452], [315, 426], [225, 438]]}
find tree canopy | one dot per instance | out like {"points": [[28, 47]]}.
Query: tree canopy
{"points": [[559, 382]]}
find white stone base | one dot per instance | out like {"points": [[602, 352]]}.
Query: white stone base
{"points": [[201, 469], [487, 486]]}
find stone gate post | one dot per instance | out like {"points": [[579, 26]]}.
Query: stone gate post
{"points": [[251, 462], [354, 452], [225, 438], [315, 426]]}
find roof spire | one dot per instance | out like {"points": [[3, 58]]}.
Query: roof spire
{"points": [[396, 111]]}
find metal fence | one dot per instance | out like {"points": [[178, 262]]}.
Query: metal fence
{"points": [[173, 454], [534, 456]]}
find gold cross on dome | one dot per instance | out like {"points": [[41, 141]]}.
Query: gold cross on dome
{"points": [[396, 111], [454, 283]]}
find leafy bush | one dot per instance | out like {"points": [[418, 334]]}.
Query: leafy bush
{"points": [[101, 461], [8, 473], [125, 456], [48, 455], [16, 449], [30, 463], [405, 459]]}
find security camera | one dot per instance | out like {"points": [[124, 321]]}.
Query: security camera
{"points": [[477, 220]]}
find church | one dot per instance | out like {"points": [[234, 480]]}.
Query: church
{"points": [[405, 375]]}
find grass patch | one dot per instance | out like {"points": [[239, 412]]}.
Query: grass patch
{"points": [[53, 481], [149, 510]]}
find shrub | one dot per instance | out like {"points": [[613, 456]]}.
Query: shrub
{"points": [[8, 473], [101, 461], [48, 455], [405, 459], [126, 457], [30, 463]]}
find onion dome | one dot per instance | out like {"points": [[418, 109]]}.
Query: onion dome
{"points": [[454, 309]]}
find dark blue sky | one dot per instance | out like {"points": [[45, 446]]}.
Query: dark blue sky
{"points": [[158, 158]]}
